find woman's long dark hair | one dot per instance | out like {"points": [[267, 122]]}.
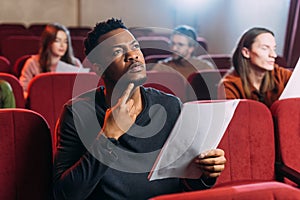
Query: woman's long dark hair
{"points": [[242, 64], [47, 39]]}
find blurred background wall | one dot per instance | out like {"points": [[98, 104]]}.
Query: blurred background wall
{"points": [[221, 22]]}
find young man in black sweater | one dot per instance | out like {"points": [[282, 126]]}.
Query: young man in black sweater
{"points": [[109, 138]]}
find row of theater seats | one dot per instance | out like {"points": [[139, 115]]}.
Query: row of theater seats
{"points": [[160, 45], [37, 29], [256, 168], [16, 41], [60, 87], [202, 85], [257, 158], [221, 61], [25, 40], [14, 47]]}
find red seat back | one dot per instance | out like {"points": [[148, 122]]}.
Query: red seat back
{"points": [[152, 60], [16, 46], [266, 191], [249, 145], [5, 65], [10, 32], [48, 92], [19, 64], [37, 28], [17, 89], [79, 30], [286, 114], [26, 155], [169, 82], [154, 45], [78, 47], [204, 84], [221, 61], [201, 47]]}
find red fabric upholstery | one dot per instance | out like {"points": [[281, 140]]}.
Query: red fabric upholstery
{"points": [[16, 46], [11, 30], [5, 66], [13, 26], [201, 48], [78, 47], [79, 30], [48, 92], [286, 114], [26, 156], [249, 145], [204, 84], [17, 89], [37, 28], [221, 61], [169, 82], [154, 45], [258, 191], [152, 60], [19, 64]]}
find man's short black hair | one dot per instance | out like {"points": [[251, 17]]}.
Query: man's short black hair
{"points": [[100, 29]]}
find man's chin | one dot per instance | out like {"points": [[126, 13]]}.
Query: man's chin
{"points": [[177, 57], [139, 82], [136, 82]]}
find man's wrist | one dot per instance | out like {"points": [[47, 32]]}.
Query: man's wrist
{"points": [[207, 181]]}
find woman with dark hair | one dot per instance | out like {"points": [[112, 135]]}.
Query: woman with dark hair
{"points": [[255, 74], [55, 49]]}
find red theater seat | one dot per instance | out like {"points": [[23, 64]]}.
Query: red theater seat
{"points": [[154, 45], [26, 155], [249, 145], [16, 46], [17, 89], [286, 114], [37, 28], [258, 191], [221, 61], [169, 82], [79, 30], [152, 60], [9, 32], [5, 65], [78, 47], [48, 92], [201, 48], [19, 64], [204, 84]]}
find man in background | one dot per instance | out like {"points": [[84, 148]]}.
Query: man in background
{"points": [[183, 45]]}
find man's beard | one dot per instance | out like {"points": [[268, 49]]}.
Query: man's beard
{"points": [[177, 57], [122, 84], [137, 82]]}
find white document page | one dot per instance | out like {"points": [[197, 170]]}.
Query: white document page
{"points": [[292, 88], [65, 67], [199, 127]]}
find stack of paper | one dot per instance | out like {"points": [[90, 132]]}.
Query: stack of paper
{"points": [[65, 67], [199, 127], [292, 88]]}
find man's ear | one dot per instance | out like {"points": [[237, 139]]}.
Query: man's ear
{"points": [[245, 52]]}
